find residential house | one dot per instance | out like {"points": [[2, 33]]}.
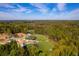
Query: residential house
{"points": [[4, 38]]}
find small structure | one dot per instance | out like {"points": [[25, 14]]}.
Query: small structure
{"points": [[21, 42], [4, 38], [31, 42], [28, 35], [20, 35]]}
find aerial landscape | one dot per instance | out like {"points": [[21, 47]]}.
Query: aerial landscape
{"points": [[39, 29]]}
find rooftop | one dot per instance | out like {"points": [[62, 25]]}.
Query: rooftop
{"points": [[20, 38]]}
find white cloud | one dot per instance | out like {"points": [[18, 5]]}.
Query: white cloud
{"points": [[61, 6], [54, 10], [6, 5], [74, 14], [6, 16], [15, 16], [21, 9], [12, 8], [41, 7], [58, 10]]}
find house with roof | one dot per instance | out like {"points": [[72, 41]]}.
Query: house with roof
{"points": [[20, 35], [4, 38], [21, 38]]}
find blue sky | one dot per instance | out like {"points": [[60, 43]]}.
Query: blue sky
{"points": [[39, 11]]}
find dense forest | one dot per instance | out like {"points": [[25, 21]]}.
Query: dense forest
{"points": [[57, 38]]}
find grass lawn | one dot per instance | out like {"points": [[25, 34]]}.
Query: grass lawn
{"points": [[44, 43]]}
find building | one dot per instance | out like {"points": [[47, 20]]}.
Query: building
{"points": [[21, 39], [4, 38]]}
